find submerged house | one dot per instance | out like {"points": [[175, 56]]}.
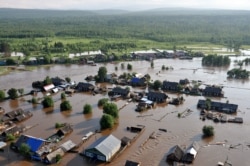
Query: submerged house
{"points": [[191, 152], [213, 91], [135, 81], [218, 106], [119, 91], [65, 130], [84, 87], [103, 149], [58, 81], [17, 115], [175, 154], [157, 97], [132, 163], [36, 146], [51, 157], [171, 86]]}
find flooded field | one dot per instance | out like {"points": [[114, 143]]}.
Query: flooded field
{"points": [[181, 131]]}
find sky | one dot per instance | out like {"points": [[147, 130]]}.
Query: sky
{"points": [[125, 4]]}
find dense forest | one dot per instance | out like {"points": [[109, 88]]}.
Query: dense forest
{"points": [[228, 28]]}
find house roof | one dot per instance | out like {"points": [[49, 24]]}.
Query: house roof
{"points": [[120, 90], [66, 129], [131, 163], [52, 156], [33, 142], [66, 146], [177, 152], [213, 89], [157, 95], [168, 83], [2, 144], [49, 87], [105, 145], [84, 85]]}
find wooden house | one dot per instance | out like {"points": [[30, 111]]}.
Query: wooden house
{"points": [[171, 86], [123, 92], [157, 97], [175, 154], [84, 87]]}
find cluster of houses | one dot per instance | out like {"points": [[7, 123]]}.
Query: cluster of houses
{"points": [[9, 123], [177, 154]]}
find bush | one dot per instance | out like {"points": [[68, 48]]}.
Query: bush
{"points": [[12, 93], [107, 121], [65, 105], [63, 96], [47, 102], [34, 100], [2, 95], [111, 109], [103, 101], [24, 150], [58, 158], [87, 109], [59, 125], [208, 131], [10, 137]]}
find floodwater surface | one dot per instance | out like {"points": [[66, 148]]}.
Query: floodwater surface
{"points": [[181, 131]]}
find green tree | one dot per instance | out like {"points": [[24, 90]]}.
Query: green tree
{"points": [[163, 67], [116, 68], [68, 79], [157, 84], [47, 81], [122, 66], [10, 137], [129, 66], [63, 96], [21, 91], [47, 102], [2, 95], [58, 125], [102, 72], [87, 109], [208, 104], [103, 101], [65, 106], [34, 100], [111, 109], [10, 61], [106, 121], [24, 149], [58, 158], [12, 93], [208, 131]]}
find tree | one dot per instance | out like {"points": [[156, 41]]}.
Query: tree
{"points": [[208, 131], [107, 121], [111, 109], [157, 84], [63, 96], [2, 95], [21, 91], [47, 102], [47, 81], [59, 125], [34, 100], [152, 64], [12, 93], [116, 68], [68, 79], [163, 67], [65, 106], [58, 158], [24, 150], [103, 101], [129, 66], [122, 65], [87, 109], [10, 61], [10, 137], [102, 72]]}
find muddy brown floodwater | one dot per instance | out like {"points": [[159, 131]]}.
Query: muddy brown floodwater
{"points": [[153, 153]]}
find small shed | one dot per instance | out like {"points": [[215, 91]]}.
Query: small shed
{"points": [[65, 130], [67, 146], [191, 152], [175, 154], [132, 163], [51, 157]]}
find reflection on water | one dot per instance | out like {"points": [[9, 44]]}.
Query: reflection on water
{"points": [[181, 131]]}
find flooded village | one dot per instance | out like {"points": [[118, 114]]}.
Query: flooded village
{"points": [[161, 127]]}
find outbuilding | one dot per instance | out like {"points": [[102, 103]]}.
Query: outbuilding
{"points": [[103, 149]]}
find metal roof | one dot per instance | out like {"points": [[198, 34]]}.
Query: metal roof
{"points": [[68, 145], [106, 145]]}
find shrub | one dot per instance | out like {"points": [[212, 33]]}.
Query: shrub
{"points": [[208, 131], [63, 96], [107, 121], [65, 105], [47, 102], [103, 101], [87, 109], [12, 93], [2, 95], [111, 109]]}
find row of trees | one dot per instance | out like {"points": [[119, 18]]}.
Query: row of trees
{"points": [[238, 73], [216, 60], [13, 93]]}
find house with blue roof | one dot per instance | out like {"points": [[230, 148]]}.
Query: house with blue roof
{"points": [[135, 81], [38, 146]]}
